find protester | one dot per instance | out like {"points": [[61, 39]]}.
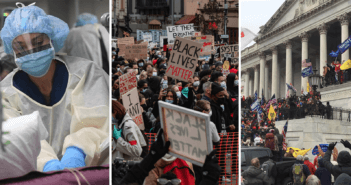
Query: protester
{"points": [[309, 165], [343, 159], [299, 171], [322, 173], [254, 175], [70, 93], [313, 180], [343, 179]]}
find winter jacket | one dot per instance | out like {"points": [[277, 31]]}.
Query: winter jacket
{"points": [[129, 145], [323, 174], [254, 176], [218, 113], [160, 165], [310, 166], [344, 163]]}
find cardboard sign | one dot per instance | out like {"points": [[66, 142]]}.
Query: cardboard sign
{"points": [[183, 30], [207, 42], [183, 59], [197, 34], [138, 51], [122, 49], [188, 131], [230, 51], [125, 40], [133, 108], [127, 82]]}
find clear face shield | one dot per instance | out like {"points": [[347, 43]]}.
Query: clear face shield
{"points": [[30, 43]]}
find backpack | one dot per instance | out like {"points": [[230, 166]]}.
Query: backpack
{"points": [[270, 141], [270, 171], [299, 177]]}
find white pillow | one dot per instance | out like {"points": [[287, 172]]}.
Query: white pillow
{"points": [[20, 156]]}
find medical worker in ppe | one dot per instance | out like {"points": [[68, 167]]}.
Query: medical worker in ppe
{"points": [[89, 40], [70, 93]]}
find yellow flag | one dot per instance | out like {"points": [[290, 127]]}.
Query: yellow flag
{"points": [[308, 87], [271, 113], [298, 151], [346, 65]]}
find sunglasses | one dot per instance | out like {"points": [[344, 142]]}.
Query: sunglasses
{"points": [[164, 181]]}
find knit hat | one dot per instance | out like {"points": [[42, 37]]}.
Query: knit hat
{"points": [[216, 88]]}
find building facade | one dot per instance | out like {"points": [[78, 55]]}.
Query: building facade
{"points": [[299, 29]]}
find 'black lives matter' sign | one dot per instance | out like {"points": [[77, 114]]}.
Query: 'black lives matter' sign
{"points": [[183, 30], [183, 59], [188, 131]]}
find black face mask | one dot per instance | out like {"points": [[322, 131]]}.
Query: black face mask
{"points": [[221, 100], [161, 72], [197, 69]]}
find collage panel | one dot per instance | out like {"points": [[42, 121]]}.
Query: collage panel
{"points": [[295, 92], [175, 90], [54, 68]]}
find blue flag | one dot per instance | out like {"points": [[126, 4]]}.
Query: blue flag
{"points": [[324, 148], [291, 87], [341, 48], [255, 96], [307, 71], [262, 100]]}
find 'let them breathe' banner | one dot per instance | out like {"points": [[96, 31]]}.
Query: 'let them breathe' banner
{"points": [[183, 30], [183, 59]]}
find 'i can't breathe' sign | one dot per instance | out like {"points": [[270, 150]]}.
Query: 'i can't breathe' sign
{"points": [[183, 59]]}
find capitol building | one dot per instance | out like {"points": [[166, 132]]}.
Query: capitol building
{"points": [[298, 30]]}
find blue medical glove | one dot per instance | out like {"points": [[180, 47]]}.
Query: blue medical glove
{"points": [[52, 165], [117, 133], [73, 158]]}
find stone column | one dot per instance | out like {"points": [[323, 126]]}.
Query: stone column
{"points": [[304, 55], [266, 82], [246, 87], [323, 53], [344, 21], [250, 86], [275, 88], [289, 69], [262, 56], [256, 80]]}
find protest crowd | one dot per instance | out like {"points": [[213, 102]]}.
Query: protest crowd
{"points": [[205, 89]]}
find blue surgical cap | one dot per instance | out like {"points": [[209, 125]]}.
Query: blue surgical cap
{"points": [[32, 19], [86, 18]]}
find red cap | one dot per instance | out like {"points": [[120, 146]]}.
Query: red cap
{"points": [[233, 70], [269, 122]]}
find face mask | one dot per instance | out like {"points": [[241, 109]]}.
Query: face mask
{"points": [[236, 82], [114, 120], [222, 106], [179, 94], [144, 90], [221, 100], [202, 66], [185, 92], [154, 74], [223, 85], [36, 64], [210, 113], [168, 101], [114, 53], [159, 56], [197, 83], [147, 58], [141, 64]]}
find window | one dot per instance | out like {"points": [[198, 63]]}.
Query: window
{"points": [[259, 154], [122, 5]]}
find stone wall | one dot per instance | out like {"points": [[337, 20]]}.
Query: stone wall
{"points": [[307, 133]]}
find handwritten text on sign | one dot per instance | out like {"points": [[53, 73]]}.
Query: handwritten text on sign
{"points": [[132, 105], [183, 59], [233, 50], [127, 82], [138, 51], [207, 42], [179, 31], [187, 134]]}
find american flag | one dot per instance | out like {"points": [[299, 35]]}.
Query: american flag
{"points": [[285, 130], [271, 101]]}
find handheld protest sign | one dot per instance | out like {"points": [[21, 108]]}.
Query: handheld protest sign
{"points": [[229, 51], [132, 105], [179, 31], [125, 41], [188, 131], [183, 59], [207, 42], [127, 82], [136, 51]]}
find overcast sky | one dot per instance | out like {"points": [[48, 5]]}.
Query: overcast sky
{"points": [[255, 13]]}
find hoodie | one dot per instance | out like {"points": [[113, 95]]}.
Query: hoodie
{"points": [[344, 163], [323, 174]]}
